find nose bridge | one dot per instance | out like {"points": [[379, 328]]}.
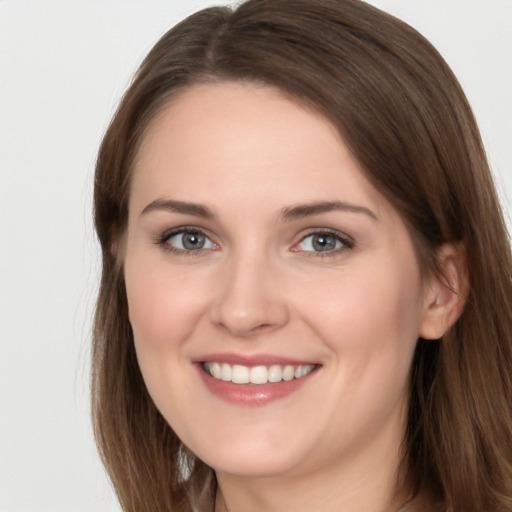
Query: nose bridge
{"points": [[249, 299]]}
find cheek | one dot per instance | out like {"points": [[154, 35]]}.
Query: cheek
{"points": [[370, 320], [163, 311], [163, 306], [360, 302]]}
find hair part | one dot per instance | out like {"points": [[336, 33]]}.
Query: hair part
{"points": [[403, 115]]}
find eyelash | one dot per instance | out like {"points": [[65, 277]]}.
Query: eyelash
{"points": [[164, 238], [346, 241]]}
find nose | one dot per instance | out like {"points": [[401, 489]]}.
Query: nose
{"points": [[250, 299]]}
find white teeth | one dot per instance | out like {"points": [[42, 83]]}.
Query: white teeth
{"points": [[225, 372], [258, 375], [216, 370], [304, 370], [275, 373], [288, 372], [239, 374]]}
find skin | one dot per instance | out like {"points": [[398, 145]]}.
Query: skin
{"points": [[248, 153]]}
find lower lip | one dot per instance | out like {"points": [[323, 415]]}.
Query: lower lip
{"points": [[252, 394]]}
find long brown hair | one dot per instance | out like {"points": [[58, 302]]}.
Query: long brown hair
{"points": [[406, 120]]}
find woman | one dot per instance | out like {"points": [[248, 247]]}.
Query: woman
{"points": [[305, 299]]}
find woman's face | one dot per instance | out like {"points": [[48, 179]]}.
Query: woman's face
{"points": [[257, 251]]}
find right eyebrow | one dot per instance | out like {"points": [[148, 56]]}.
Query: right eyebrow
{"points": [[195, 209]]}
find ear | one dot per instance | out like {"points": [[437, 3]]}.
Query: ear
{"points": [[445, 292]]}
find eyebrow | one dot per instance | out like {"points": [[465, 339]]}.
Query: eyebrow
{"points": [[308, 210], [197, 210], [289, 213]]}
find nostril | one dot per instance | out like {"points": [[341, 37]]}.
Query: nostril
{"points": [[244, 329], [264, 328]]}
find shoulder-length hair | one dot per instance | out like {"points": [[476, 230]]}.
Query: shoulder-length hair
{"points": [[406, 120]]}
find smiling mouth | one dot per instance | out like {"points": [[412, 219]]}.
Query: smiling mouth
{"points": [[240, 374]]}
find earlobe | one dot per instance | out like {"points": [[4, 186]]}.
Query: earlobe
{"points": [[446, 293]]}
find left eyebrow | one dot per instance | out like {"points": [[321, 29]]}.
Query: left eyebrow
{"points": [[308, 210]]}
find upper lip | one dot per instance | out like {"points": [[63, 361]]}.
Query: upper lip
{"points": [[251, 359]]}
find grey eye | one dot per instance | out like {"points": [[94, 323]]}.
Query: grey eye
{"points": [[193, 241], [320, 242], [190, 241], [324, 242]]}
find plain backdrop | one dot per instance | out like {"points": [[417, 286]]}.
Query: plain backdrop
{"points": [[63, 67]]}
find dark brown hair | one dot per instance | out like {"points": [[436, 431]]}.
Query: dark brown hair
{"points": [[405, 118]]}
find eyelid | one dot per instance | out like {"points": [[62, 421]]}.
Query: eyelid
{"points": [[348, 242], [164, 237]]}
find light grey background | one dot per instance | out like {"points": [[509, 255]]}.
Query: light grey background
{"points": [[63, 66]]}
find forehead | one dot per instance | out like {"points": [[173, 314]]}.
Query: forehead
{"points": [[246, 140]]}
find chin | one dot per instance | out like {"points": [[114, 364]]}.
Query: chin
{"points": [[250, 459], [247, 467]]}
